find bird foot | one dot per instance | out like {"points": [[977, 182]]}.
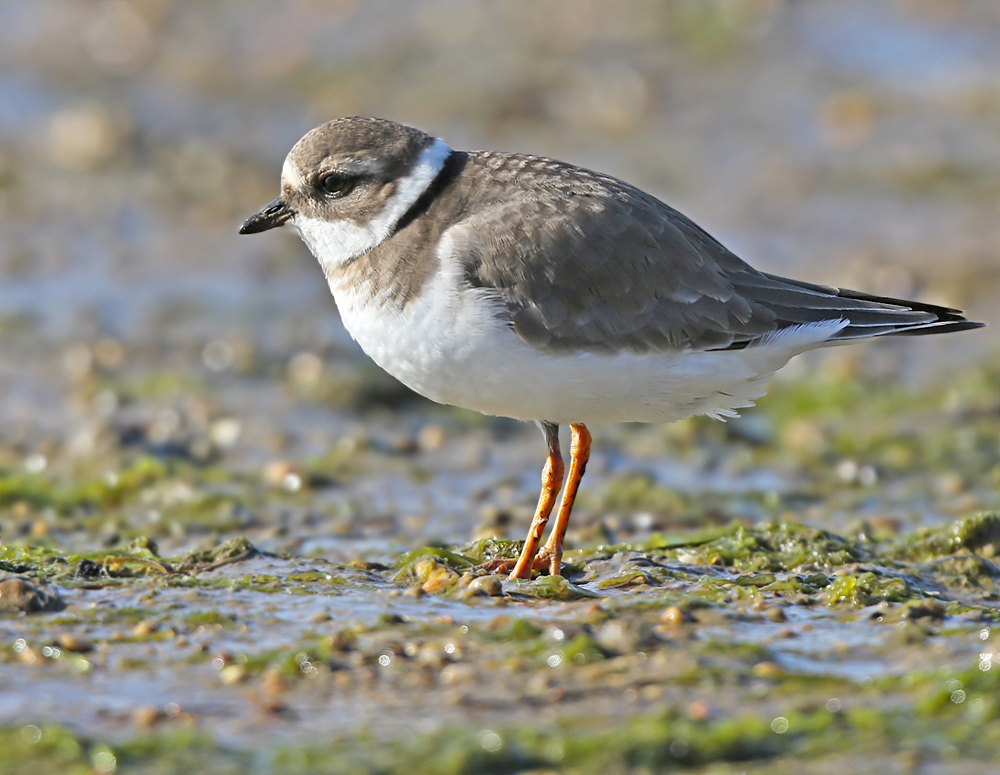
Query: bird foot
{"points": [[502, 566]]}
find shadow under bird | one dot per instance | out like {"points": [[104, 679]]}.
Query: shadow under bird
{"points": [[527, 287]]}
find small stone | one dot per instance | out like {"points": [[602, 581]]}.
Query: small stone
{"points": [[431, 655], [885, 524], [430, 438], [225, 432], [619, 637], [458, 673], [767, 670], [436, 584], [39, 529], [145, 716], [672, 616], [233, 674], [28, 655], [144, 628], [485, 586], [699, 710], [435, 576], [775, 614], [273, 682], [305, 369], [401, 444], [16, 594], [71, 642], [710, 617], [934, 609], [281, 473]]}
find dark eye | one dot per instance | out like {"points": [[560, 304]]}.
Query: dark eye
{"points": [[336, 185]]}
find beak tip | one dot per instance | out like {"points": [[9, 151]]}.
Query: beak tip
{"points": [[272, 216]]}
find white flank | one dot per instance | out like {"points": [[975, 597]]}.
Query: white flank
{"points": [[336, 242]]}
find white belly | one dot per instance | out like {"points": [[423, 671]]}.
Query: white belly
{"points": [[451, 345]]}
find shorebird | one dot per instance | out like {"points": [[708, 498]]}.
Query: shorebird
{"points": [[527, 287]]}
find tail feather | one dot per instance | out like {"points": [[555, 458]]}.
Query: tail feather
{"points": [[795, 303], [934, 319]]}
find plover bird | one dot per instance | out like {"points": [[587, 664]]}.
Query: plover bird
{"points": [[527, 287]]}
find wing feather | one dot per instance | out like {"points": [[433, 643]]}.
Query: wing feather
{"points": [[585, 262]]}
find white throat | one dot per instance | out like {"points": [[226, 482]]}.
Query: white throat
{"points": [[337, 242]]}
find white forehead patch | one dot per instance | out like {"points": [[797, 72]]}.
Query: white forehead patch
{"points": [[337, 242], [290, 173]]}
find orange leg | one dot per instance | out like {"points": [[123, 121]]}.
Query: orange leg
{"points": [[579, 455], [552, 478]]}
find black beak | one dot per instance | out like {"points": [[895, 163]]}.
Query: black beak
{"points": [[270, 217]]}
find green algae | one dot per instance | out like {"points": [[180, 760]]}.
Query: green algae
{"points": [[941, 717], [211, 619], [737, 612], [867, 570], [183, 496], [865, 589], [454, 560], [106, 491], [979, 534], [857, 573], [552, 588], [778, 559], [768, 548], [487, 549], [626, 580]]}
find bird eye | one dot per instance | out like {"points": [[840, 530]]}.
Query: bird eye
{"points": [[336, 185]]}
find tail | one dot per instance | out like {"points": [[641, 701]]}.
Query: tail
{"points": [[886, 316], [798, 303]]}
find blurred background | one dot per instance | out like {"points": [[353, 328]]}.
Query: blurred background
{"points": [[165, 380], [839, 141], [854, 142]]}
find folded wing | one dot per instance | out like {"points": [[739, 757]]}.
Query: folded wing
{"points": [[603, 266]]}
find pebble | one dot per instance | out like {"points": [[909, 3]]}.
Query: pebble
{"points": [[699, 710], [767, 670], [75, 643], [273, 682], [672, 616], [484, 586], [431, 438], [436, 584], [458, 673], [16, 594], [436, 575], [144, 628], [145, 716], [233, 674], [281, 473], [935, 609]]}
